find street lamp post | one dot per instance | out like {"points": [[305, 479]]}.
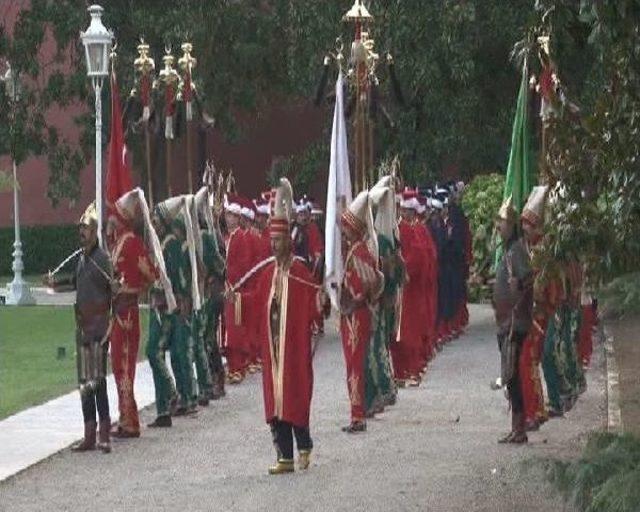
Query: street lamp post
{"points": [[19, 291], [97, 43]]}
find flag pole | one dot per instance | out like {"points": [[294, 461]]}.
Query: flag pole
{"points": [[170, 80], [365, 60], [147, 147], [186, 63], [145, 67]]}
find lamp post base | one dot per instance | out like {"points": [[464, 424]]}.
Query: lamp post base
{"points": [[19, 293]]}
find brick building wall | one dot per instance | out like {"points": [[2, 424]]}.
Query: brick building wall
{"points": [[283, 130]]}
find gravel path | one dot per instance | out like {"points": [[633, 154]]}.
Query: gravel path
{"points": [[435, 450]]}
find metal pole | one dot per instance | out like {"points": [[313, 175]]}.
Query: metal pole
{"points": [[19, 291], [97, 86], [16, 212], [169, 156], [189, 158], [147, 143]]}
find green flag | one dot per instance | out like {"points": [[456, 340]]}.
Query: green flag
{"points": [[519, 180]]}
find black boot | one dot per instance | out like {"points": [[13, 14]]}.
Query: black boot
{"points": [[104, 437], [218, 386], [89, 441], [161, 422], [355, 427]]}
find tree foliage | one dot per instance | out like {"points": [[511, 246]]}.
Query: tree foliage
{"points": [[451, 58], [597, 215], [24, 130], [481, 201]]}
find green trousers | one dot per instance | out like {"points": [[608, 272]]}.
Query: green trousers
{"points": [[380, 387], [186, 383], [205, 383], [550, 365], [160, 332], [211, 312], [574, 375]]}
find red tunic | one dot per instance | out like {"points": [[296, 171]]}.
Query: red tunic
{"points": [[238, 263], [136, 272], [264, 244], [430, 284], [362, 285], [256, 253], [547, 297], [316, 243], [254, 247], [284, 302], [408, 352]]}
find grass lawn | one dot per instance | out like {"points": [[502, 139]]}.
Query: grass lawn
{"points": [[30, 372]]}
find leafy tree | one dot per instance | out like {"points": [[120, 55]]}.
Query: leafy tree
{"points": [[597, 215], [24, 130], [451, 58]]}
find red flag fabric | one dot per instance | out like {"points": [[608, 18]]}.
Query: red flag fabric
{"points": [[118, 179]]}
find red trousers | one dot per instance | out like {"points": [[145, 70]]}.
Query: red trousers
{"points": [[237, 344], [125, 340], [355, 330], [532, 393], [585, 343]]}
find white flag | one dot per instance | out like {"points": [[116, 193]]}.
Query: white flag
{"points": [[338, 197]]}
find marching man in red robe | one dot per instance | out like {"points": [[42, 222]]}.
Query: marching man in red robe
{"points": [[362, 285], [262, 225], [236, 343], [546, 299], [280, 291], [430, 284], [408, 353], [254, 249], [135, 272]]}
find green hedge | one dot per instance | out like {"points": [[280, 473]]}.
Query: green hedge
{"points": [[606, 477], [43, 247]]}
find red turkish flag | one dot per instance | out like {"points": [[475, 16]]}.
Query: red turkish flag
{"points": [[118, 180]]}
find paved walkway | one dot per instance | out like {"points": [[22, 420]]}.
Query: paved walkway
{"points": [[435, 450], [37, 433], [45, 297]]}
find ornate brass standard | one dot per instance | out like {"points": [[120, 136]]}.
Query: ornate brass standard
{"points": [[361, 75], [169, 80], [364, 104], [186, 64], [144, 78]]}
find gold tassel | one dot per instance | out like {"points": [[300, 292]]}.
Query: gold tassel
{"points": [[237, 306]]}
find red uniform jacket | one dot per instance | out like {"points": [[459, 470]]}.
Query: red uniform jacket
{"points": [[238, 264], [412, 328], [285, 337], [430, 279], [316, 243], [133, 268], [265, 244]]}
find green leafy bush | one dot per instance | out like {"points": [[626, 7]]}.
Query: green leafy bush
{"points": [[606, 478], [43, 247], [481, 202]]}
